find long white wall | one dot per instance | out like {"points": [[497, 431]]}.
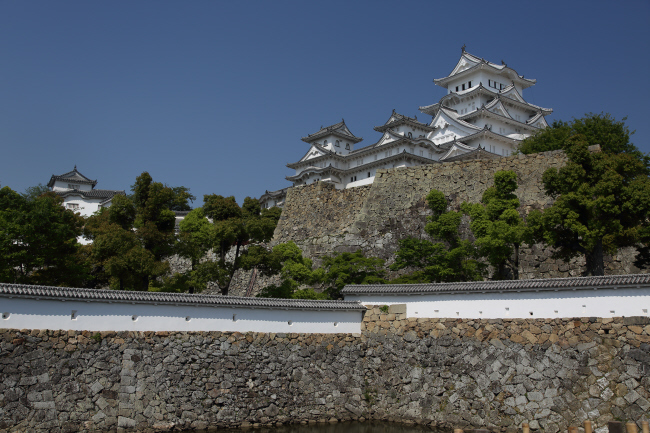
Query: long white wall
{"points": [[522, 305], [25, 313]]}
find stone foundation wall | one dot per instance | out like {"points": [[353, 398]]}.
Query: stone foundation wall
{"points": [[472, 373], [322, 220]]}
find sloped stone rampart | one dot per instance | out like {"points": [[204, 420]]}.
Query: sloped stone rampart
{"points": [[322, 220], [445, 372]]}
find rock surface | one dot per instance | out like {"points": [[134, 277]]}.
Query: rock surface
{"points": [[443, 372]]}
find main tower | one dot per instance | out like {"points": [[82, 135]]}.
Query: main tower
{"points": [[484, 107]]}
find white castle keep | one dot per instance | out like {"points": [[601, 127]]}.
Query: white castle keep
{"points": [[483, 115], [79, 193]]}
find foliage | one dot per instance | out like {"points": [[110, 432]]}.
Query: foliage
{"points": [[236, 226], [296, 270], [351, 268], [33, 192], [132, 238], [180, 197], [613, 136], [38, 240], [497, 226], [448, 259], [602, 202]]}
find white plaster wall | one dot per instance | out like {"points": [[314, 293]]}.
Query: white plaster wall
{"points": [[545, 305], [86, 206], [63, 186], [102, 316]]}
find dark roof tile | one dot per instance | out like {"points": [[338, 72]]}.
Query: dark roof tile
{"points": [[547, 284], [65, 293]]}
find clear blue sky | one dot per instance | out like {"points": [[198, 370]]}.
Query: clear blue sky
{"points": [[215, 95]]}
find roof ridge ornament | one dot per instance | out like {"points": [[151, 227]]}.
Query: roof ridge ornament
{"points": [[503, 63], [463, 48]]}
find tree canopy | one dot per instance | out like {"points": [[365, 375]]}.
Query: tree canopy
{"points": [[602, 203], [497, 226], [38, 240], [613, 136], [446, 259]]}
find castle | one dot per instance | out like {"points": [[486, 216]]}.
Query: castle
{"points": [[482, 116], [79, 193]]}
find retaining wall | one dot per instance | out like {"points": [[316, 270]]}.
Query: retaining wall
{"points": [[445, 372], [322, 220]]}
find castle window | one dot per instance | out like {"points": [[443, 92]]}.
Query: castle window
{"points": [[324, 142], [72, 206], [489, 83], [337, 144], [422, 153], [368, 174], [73, 186], [457, 88], [355, 178], [469, 84], [463, 87], [375, 157], [410, 135], [347, 146], [352, 179]]}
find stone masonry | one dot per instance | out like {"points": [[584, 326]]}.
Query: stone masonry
{"points": [[440, 372], [322, 220]]}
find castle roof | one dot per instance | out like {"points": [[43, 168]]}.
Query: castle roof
{"points": [[499, 286], [510, 96], [338, 129], [343, 171], [478, 153], [94, 193], [468, 63], [397, 119], [274, 194], [168, 298], [72, 176]]}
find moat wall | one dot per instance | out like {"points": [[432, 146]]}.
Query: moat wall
{"points": [[322, 220], [442, 372]]}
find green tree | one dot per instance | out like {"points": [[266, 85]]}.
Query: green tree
{"points": [[196, 237], [235, 227], [296, 270], [181, 199], [351, 268], [119, 255], [38, 240], [132, 239], [33, 192], [602, 202], [448, 259], [497, 226], [613, 136]]}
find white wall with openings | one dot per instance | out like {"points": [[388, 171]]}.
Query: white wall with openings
{"points": [[30, 313], [604, 303]]}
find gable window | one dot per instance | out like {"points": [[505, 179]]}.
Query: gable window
{"points": [[337, 144], [347, 146], [410, 135], [73, 186]]}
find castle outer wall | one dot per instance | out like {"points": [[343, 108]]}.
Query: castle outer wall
{"points": [[551, 373], [322, 220]]}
